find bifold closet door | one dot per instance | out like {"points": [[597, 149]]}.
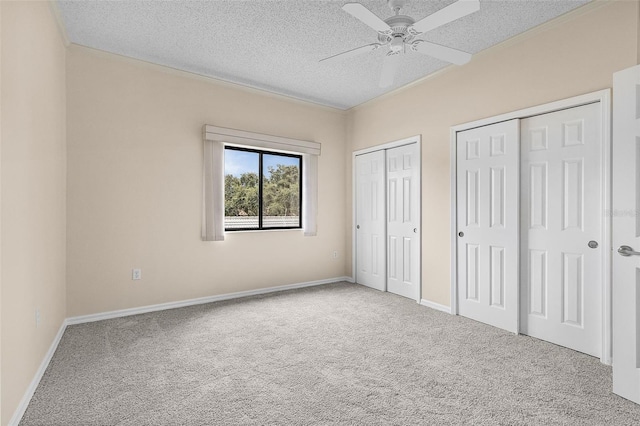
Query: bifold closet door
{"points": [[371, 220], [561, 275], [403, 221], [488, 162]]}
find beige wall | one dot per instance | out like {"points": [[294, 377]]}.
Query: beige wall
{"points": [[0, 215], [638, 39], [33, 177], [558, 61], [135, 187]]}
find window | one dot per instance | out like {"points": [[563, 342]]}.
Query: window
{"points": [[262, 189], [213, 170]]}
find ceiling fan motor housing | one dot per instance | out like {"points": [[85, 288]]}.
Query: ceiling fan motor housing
{"points": [[399, 31]]}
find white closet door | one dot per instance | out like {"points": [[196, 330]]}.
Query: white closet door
{"points": [[626, 233], [370, 220], [487, 197], [561, 214], [403, 221]]}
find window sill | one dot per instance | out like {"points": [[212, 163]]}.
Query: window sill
{"points": [[253, 231]]}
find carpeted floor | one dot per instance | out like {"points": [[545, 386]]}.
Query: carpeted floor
{"points": [[333, 354]]}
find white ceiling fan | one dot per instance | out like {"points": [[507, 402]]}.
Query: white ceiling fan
{"points": [[401, 33]]}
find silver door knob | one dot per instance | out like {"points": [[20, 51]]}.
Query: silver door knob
{"points": [[593, 244], [627, 251], [460, 234], [357, 226], [415, 230]]}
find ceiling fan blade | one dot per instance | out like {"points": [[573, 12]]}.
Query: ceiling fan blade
{"points": [[353, 52], [450, 13], [389, 68], [444, 53], [368, 17]]}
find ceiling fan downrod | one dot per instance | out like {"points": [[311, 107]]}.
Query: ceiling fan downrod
{"points": [[396, 5]]}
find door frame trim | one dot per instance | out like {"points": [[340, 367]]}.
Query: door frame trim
{"points": [[417, 139], [604, 98]]}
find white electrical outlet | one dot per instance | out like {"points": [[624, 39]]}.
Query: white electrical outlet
{"points": [[37, 317], [136, 274], [335, 254]]}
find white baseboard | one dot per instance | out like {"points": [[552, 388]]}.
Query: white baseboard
{"points": [[199, 301], [26, 398], [436, 306]]}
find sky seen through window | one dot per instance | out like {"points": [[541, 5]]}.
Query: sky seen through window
{"points": [[237, 163]]}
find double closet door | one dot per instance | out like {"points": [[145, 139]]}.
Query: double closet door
{"points": [[529, 224], [387, 185]]}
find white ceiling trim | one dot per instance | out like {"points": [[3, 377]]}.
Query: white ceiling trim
{"points": [[205, 78], [279, 48]]}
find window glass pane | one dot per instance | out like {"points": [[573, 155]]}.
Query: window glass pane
{"points": [[280, 191], [241, 171]]}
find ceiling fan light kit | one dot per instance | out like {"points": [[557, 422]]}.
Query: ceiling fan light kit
{"points": [[400, 31]]}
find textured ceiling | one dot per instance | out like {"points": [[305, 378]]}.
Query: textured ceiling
{"points": [[275, 45]]}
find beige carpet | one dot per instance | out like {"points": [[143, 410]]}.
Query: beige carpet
{"points": [[334, 354]]}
